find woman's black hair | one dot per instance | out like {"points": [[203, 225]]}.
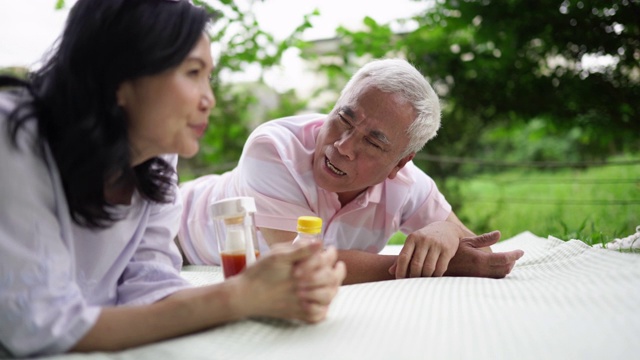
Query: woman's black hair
{"points": [[73, 97]]}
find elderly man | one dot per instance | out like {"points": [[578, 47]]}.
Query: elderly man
{"points": [[353, 169]]}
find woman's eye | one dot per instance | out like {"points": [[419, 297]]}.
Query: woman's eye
{"points": [[194, 72]]}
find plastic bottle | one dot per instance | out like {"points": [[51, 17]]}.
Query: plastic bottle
{"points": [[309, 228]]}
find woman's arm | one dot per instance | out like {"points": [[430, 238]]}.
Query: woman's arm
{"points": [[291, 282]]}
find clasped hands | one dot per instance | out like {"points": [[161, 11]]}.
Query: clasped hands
{"points": [[441, 249], [293, 281]]}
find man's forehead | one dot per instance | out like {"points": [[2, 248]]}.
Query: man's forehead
{"points": [[383, 129]]}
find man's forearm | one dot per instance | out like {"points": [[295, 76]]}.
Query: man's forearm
{"points": [[366, 267]]}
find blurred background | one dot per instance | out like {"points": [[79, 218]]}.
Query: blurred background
{"points": [[541, 100]]}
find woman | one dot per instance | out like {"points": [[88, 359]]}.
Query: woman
{"points": [[89, 203]]}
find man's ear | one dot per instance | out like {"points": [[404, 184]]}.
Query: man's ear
{"points": [[401, 163]]}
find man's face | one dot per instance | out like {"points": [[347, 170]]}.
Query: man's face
{"points": [[361, 142]]}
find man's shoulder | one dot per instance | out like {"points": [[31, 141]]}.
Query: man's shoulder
{"points": [[408, 175], [300, 129], [290, 124]]}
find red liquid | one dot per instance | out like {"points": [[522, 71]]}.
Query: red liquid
{"points": [[234, 263]]}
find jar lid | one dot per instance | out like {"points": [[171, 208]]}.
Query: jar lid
{"points": [[310, 224], [232, 207]]}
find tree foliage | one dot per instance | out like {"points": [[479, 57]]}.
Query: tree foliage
{"points": [[506, 63], [240, 44], [496, 58], [509, 72]]}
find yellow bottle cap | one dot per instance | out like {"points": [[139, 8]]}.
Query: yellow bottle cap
{"points": [[310, 224]]}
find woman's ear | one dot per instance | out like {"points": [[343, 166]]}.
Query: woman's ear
{"points": [[123, 93]]}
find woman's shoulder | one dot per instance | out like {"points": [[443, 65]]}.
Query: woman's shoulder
{"points": [[19, 133], [13, 100], [8, 102]]}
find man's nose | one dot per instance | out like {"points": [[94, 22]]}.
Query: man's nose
{"points": [[346, 145]]}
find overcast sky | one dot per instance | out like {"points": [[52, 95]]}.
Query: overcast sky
{"points": [[29, 27]]}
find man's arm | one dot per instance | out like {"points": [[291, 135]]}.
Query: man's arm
{"points": [[473, 259], [427, 252], [465, 231], [452, 218], [472, 255]]}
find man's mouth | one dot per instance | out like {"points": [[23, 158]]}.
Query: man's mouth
{"points": [[334, 169]]}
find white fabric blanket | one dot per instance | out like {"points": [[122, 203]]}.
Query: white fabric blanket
{"points": [[563, 300]]}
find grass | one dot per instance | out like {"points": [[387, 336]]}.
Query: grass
{"points": [[595, 205]]}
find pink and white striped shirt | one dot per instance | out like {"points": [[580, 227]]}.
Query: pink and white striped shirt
{"points": [[276, 169]]}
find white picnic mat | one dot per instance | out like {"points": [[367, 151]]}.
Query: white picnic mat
{"points": [[563, 300]]}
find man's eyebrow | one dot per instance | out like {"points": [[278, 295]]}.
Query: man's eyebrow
{"points": [[380, 136], [348, 111], [377, 134]]}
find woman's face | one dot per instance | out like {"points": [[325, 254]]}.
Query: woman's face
{"points": [[168, 112]]}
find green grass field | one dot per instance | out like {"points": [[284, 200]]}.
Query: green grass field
{"points": [[597, 204]]}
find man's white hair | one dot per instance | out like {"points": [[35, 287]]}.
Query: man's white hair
{"points": [[398, 76]]}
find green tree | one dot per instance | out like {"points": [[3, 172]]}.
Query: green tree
{"points": [[18, 72], [498, 59], [505, 63], [242, 43]]}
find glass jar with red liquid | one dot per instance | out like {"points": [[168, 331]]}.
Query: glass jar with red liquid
{"points": [[236, 233]]}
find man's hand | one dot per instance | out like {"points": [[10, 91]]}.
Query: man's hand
{"points": [[427, 252], [471, 260]]}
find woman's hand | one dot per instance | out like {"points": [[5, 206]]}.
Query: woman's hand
{"points": [[294, 281]]}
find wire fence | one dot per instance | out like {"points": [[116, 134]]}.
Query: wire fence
{"points": [[518, 181], [528, 181], [523, 164]]}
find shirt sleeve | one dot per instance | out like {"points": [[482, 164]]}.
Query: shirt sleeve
{"points": [[275, 176], [154, 270], [425, 205], [42, 310]]}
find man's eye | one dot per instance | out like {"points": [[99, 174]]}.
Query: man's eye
{"points": [[374, 144], [344, 121]]}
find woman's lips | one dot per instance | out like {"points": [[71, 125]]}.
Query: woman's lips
{"points": [[199, 129]]}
